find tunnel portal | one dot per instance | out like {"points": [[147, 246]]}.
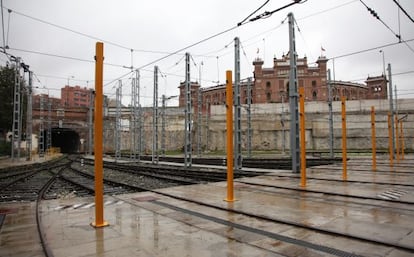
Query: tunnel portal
{"points": [[66, 139]]}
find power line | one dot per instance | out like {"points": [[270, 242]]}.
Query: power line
{"points": [[370, 49], [404, 11]]}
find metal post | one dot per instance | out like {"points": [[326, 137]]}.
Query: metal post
{"points": [[344, 153], [391, 108], [188, 121], [390, 145], [155, 119], [133, 123], [373, 138], [90, 121], [293, 98], [118, 121], [41, 129], [139, 115], [237, 110], [29, 121], [49, 126], [16, 130], [229, 123], [199, 107], [397, 147], [163, 126], [99, 210], [207, 123], [283, 125], [302, 137], [331, 132], [249, 118]]}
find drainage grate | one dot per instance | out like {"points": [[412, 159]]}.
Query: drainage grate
{"points": [[269, 234], [2, 216], [392, 194]]}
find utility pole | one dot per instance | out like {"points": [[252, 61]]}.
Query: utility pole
{"points": [[331, 135], [188, 127], [237, 109], [391, 108], [249, 118], [293, 98], [155, 119]]}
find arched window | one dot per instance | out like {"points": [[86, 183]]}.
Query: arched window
{"points": [[314, 95], [268, 97], [268, 84]]}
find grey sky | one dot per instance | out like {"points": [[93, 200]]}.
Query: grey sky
{"points": [[339, 26]]}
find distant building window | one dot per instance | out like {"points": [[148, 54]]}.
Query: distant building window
{"points": [[268, 84], [268, 96], [313, 83]]}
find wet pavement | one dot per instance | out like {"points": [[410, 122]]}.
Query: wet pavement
{"points": [[273, 216]]}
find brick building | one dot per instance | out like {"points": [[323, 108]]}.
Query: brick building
{"points": [[271, 85], [75, 96]]}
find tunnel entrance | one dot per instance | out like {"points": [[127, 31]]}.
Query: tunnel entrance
{"points": [[66, 139]]}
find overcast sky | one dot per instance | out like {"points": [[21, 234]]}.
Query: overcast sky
{"points": [[155, 28]]}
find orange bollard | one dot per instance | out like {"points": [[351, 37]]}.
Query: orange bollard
{"points": [[402, 139], [302, 137], [397, 147], [344, 154], [373, 139], [229, 116], [98, 145]]}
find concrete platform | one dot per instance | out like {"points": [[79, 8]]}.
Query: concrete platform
{"points": [[269, 218]]}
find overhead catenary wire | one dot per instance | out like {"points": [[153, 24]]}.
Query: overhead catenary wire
{"points": [[403, 10]]}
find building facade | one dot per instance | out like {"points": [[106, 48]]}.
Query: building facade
{"points": [[271, 85], [75, 96]]}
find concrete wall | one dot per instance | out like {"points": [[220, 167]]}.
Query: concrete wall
{"points": [[271, 127]]}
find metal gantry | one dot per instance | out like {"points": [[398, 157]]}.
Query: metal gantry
{"points": [[293, 98], [139, 115], [29, 119], [188, 118], [237, 109], [118, 125], [155, 119]]}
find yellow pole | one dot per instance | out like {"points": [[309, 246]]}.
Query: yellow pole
{"points": [[98, 126], [397, 146], [402, 139], [390, 140], [344, 157], [373, 139], [302, 137], [229, 107]]}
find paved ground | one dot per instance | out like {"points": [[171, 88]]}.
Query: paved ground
{"points": [[269, 218]]}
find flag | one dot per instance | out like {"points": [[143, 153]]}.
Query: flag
{"points": [[258, 50], [322, 49]]}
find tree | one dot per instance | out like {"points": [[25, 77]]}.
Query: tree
{"points": [[7, 76]]}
